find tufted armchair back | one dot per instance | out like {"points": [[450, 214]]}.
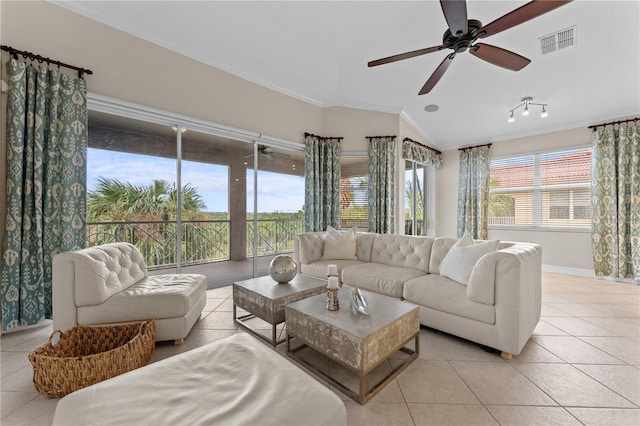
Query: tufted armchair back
{"points": [[104, 271]]}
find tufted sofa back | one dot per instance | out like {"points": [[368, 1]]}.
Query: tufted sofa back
{"points": [[402, 250], [102, 271]]}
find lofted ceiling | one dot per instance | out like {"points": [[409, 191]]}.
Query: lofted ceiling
{"points": [[317, 51]]}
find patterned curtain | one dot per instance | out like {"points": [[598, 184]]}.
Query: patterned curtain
{"points": [[615, 201], [473, 192], [46, 178], [418, 153], [382, 195], [321, 183]]}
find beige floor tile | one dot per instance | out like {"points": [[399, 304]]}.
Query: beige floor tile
{"points": [[13, 401], [577, 326], [428, 350], [377, 413], [544, 328], [628, 327], [226, 306], [216, 320], [573, 350], [38, 411], [456, 349], [532, 352], [19, 381], [13, 361], [531, 416], [39, 335], [623, 379], [548, 311], [434, 382], [622, 348], [449, 414], [212, 304], [570, 387], [221, 292], [599, 309], [606, 417], [500, 384]]}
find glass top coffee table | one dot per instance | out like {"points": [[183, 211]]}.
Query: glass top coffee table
{"points": [[358, 342], [264, 298]]}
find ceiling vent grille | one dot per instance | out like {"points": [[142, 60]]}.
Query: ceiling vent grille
{"points": [[558, 40]]}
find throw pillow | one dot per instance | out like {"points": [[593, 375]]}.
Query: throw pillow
{"points": [[463, 256], [339, 245]]}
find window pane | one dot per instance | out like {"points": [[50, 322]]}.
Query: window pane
{"points": [[549, 189], [354, 207]]}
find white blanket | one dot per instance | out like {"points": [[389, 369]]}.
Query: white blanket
{"points": [[233, 381]]}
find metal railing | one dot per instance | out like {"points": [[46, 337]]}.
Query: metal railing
{"points": [[274, 235], [202, 241]]}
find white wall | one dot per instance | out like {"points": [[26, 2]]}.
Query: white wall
{"points": [[561, 251]]}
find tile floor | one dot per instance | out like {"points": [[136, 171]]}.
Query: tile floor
{"points": [[582, 366]]}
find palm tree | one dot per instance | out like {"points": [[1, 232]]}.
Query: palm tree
{"points": [[115, 201]]}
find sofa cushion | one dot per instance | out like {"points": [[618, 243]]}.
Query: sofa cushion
{"points": [[309, 247], [364, 245], [403, 251], [380, 278], [439, 250], [440, 293], [319, 269], [462, 257], [157, 296], [339, 245]]}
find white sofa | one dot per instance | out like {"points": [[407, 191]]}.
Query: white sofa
{"points": [[110, 284], [498, 307]]}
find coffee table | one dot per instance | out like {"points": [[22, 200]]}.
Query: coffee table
{"points": [[358, 342], [264, 298]]}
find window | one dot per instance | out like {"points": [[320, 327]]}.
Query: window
{"points": [[354, 205], [545, 190], [414, 198]]}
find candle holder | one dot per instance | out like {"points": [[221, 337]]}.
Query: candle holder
{"points": [[333, 303]]}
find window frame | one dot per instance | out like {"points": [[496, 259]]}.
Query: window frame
{"points": [[537, 189]]}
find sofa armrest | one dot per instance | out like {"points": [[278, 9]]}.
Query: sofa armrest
{"points": [[63, 294], [481, 287]]}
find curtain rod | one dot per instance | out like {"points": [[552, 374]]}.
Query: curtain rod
{"points": [[374, 137], [594, 127], [15, 52], [473, 147], [422, 145], [339, 138]]}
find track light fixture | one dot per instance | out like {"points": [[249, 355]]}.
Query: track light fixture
{"points": [[526, 101]]}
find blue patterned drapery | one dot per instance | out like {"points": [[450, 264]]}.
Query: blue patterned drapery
{"points": [[321, 182], [473, 191], [414, 151], [46, 186], [615, 201], [382, 195]]}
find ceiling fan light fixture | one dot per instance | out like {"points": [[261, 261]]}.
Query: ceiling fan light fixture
{"points": [[525, 113], [511, 118]]}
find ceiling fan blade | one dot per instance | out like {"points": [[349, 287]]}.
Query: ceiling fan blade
{"points": [[437, 74], [520, 15], [500, 57], [455, 13], [406, 55]]}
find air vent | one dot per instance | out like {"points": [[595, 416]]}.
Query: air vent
{"points": [[558, 40]]}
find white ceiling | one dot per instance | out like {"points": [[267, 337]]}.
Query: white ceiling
{"points": [[318, 52]]}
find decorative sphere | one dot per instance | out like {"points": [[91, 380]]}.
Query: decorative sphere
{"points": [[283, 268]]}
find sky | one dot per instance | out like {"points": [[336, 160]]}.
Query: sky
{"points": [[276, 192]]}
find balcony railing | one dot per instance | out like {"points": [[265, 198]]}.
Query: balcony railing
{"points": [[202, 241]]}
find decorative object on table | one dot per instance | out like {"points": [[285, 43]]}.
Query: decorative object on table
{"points": [[332, 294], [283, 268], [85, 355], [360, 302], [332, 271]]}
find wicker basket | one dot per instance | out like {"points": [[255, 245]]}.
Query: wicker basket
{"points": [[85, 355]]}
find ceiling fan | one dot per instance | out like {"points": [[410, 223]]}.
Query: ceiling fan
{"points": [[463, 33], [267, 153]]}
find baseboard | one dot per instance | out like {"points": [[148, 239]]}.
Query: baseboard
{"points": [[580, 272]]}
